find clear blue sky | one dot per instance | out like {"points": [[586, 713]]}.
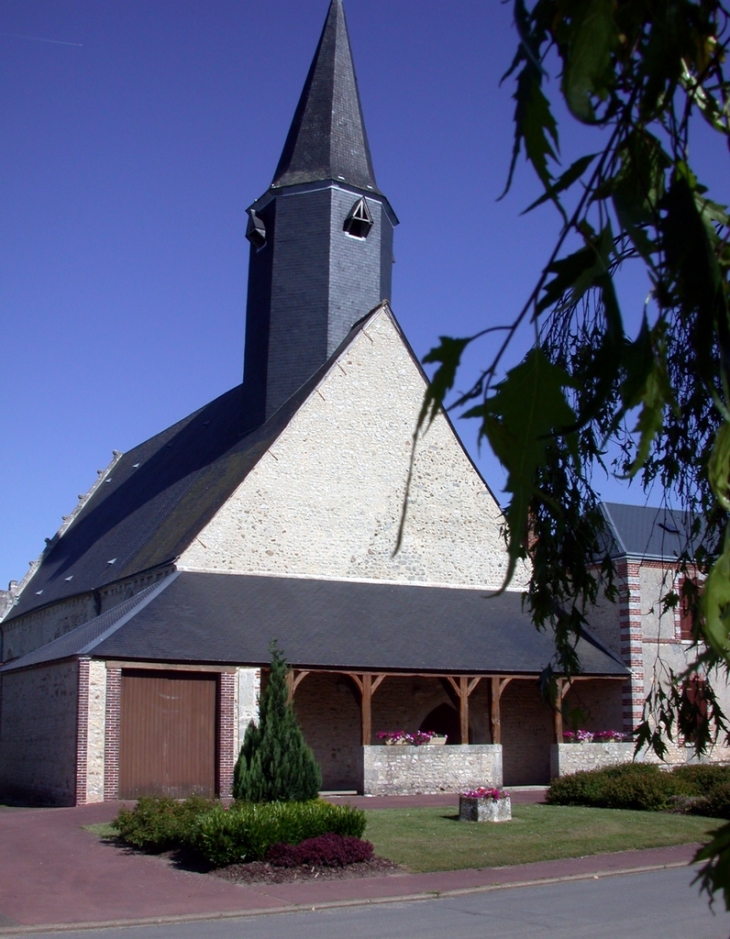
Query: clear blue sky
{"points": [[134, 135]]}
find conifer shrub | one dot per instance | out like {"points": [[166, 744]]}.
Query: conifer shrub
{"points": [[328, 850], [275, 764], [246, 830], [158, 824]]}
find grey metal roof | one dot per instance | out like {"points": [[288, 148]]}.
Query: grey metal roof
{"points": [[327, 138], [231, 619], [647, 532]]}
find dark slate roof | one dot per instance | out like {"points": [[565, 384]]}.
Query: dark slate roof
{"points": [[327, 138], [231, 619], [646, 532], [159, 495]]}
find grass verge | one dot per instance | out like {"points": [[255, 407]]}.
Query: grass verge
{"points": [[433, 839]]}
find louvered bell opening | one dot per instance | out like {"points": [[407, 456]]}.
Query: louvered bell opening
{"points": [[255, 230], [359, 220]]}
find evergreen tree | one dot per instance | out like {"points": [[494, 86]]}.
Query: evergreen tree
{"points": [[275, 764]]}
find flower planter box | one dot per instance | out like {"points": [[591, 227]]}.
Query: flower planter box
{"points": [[484, 810], [437, 741]]}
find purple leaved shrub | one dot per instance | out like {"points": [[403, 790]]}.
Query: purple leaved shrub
{"points": [[328, 850]]}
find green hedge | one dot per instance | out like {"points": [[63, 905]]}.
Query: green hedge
{"points": [[246, 831], [701, 789], [160, 824], [243, 832]]}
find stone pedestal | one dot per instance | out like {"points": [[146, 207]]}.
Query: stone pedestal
{"points": [[484, 810]]}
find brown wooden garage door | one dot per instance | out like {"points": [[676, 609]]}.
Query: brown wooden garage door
{"points": [[168, 734]]}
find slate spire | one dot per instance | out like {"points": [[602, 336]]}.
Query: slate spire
{"points": [[321, 236], [327, 138]]}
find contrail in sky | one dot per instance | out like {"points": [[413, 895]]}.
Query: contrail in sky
{"points": [[56, 42]]}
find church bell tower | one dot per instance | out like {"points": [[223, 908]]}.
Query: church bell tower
{"points": [[321, 237]]}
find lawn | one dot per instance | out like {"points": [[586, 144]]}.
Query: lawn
{"points": [[434, 839]]}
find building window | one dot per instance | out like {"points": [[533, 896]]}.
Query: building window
{"points": [[688, 590], [255, 230], [359, 221]]}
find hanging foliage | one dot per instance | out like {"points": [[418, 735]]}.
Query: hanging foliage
{"points": [[654, 406]]}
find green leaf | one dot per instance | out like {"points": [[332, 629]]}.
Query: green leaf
{"points": [[534, 123], [526, 410], [715, 601], [448, 353], [588, 73], [655, 396], [563, 182], [719, 466]]}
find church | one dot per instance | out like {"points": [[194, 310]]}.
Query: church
{"points": [[134, 649]]}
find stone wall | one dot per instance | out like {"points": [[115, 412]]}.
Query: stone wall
{"points": [[327, 707], [527, 733], [96, 732], [411, 770], [567, 758], [248, 691], [38, 734], [325, 500]]}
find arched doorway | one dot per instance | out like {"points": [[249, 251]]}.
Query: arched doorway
{"points": [[444, 719]]}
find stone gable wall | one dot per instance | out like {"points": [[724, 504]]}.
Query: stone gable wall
{"points": [[325, 500]]}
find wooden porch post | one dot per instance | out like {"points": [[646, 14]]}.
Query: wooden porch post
{"points": [[367, 713], [495, 716], [559, 711], [464, 708]]}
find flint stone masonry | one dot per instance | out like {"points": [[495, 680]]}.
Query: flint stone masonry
{"points": [[485, 810], [568, 758], [96, 732], [390, 771], [248, 691], [326, 499], [38, 741]]}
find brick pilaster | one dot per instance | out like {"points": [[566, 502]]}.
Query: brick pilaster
{"points": [[82, 730], [111, 743], [631, 641], [226, 724]]}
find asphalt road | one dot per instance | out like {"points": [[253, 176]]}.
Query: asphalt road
{"points": [[657, 905]]}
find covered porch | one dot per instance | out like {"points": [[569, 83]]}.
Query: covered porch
{"points": [[499, 728]]}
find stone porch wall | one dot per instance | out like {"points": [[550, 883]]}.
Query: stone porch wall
{"points": [[567, 758], [427, 769]]}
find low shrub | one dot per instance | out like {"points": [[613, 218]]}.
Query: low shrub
{"points": [[700, 779], [327, 850], [715, 805], [628, 786], [159, 824], [246, 831]]}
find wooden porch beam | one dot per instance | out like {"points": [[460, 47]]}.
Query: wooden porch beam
{"points": [[294, 679]]}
